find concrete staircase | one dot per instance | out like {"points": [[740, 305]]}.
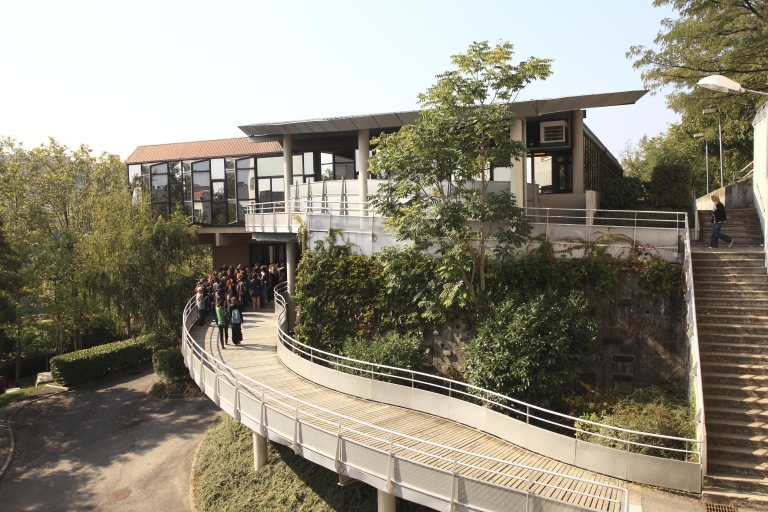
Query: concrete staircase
{"points": [[731, 287]]}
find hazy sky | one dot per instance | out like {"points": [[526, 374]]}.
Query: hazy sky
{"points": [[116, 75]]}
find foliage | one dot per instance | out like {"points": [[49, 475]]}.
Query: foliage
{"points": [[622, 193], [437, 193], [341, 295], [660, 276], [670, 186], [16, 396], [707, 38], [92, 363], [160, 340], [177, 390], [9, 279], [645, 410], [531, 349], [169, 365], [391, 349], [224, 478]]}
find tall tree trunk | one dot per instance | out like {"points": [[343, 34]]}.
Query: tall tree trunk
{"points": [[78, 338], [60, 344], [18, 359]]}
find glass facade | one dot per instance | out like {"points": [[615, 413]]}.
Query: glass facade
{"points": [[216, 191]]}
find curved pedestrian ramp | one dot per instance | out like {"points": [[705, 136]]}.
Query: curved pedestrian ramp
{"points": [[421, 458]]}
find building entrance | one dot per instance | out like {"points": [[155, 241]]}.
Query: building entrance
{"points": [[266, 254]]}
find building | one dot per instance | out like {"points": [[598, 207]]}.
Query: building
{"points": [[215, 181]]}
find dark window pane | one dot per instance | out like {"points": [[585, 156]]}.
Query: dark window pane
{"points": [[202, 212], [144, 168], [202, 186], [186, 166], [343, 159], [174, 171], [176, 192], [219, 214], [218, 191], [231, 192], [245, 185], [188, 211], [205, 165], [187, 181], [232, 212], [229, 163], [160, 188]]}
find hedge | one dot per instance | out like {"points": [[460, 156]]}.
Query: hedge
{"points": [[92, 363], [169, 365], [670, 186], [622, 194]]}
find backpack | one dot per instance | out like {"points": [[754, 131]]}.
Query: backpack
{"points": [[236, 317]]}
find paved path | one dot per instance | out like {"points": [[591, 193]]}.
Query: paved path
{"points": [[87, 448], [257, 358]]}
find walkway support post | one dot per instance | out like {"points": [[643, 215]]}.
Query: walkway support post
{"points": [[517, 169], [287, 166], [363, 148], [291, 258], [259, 451], [577, 157], [386, 501]]}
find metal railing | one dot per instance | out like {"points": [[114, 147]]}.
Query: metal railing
{"points": [[626, 438], [693, 342], [279, 216], [743, 173], [426, 468]]}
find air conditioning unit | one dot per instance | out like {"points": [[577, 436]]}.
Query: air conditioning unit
{"points": [[553, 132]]}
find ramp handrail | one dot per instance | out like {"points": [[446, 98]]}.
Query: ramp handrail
{"points": [[338, 424]]}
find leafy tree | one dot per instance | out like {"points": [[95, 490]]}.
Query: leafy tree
{"points": [[531, 349], [728, 37], [438, 194]]}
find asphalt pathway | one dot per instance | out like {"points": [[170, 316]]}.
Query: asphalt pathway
{"points": [[105, 446]]}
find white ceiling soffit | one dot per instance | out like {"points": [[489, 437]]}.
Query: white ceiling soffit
{"points": [[530, 108]]}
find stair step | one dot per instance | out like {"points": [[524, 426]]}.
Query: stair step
{"points": [[737, 467], [708, 326], [734, 426], [739, 302], [715, 293], [741, 482], [734, 368], [729, 278], [714, 286], [743, 358], [735, 390], [734, 379], [759, 441], [734, 311], [717, 347], [729, 271], [735, 413], [741, 454], [732, 263], [735, 402]]}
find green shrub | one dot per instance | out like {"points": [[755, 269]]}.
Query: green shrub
{"points": [[169, 365], [622, 194], [92, 363], [670, 186], [392, 349], [162, 340], [645, 410], [661, 276], [532, 349]]}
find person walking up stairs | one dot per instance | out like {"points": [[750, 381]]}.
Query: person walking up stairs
{"points": [[731, 291]]}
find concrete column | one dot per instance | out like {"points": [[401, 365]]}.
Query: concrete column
{"points": [[386, 501], [287, 163], [517, 168], [577, 146], [363, 147], [259, 451], [291, 257]]}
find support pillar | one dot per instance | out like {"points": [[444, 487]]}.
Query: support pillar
{"points": [[259, 451], [577, 146], [287, 164], [291, 257], [517, 167], [385, 501], [363, 148]]}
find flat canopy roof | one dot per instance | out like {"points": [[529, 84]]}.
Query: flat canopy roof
{"points": [[532, 108]]}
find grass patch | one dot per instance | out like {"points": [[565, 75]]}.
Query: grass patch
{"points": [[178, 390], [9, 398], [225, 480], [651, 410]]}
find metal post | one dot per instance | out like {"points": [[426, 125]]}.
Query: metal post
{"points": [[706, 161], [720, 135]]}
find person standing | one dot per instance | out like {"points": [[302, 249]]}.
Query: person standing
{"points": [[221, 322], [718, 219], [235, 315]]}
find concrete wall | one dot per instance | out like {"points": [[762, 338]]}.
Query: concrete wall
{"points": [[234, 255], [737, 195]]}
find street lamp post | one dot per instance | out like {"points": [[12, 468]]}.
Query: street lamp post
{"points": [[720, 137], [706, 156]]}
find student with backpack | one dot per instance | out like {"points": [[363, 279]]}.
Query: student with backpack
{"points": [[235, 315]]}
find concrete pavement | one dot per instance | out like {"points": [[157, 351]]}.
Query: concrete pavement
{"points": [[105, 446]]}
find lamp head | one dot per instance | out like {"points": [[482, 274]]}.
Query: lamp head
{"points": [[698, 135], [720, 83], [709, 111]]}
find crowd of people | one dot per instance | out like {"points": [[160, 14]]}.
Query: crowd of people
{"points": [[227, 292]]}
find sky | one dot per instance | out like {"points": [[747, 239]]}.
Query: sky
{"points": [[117, 75]]}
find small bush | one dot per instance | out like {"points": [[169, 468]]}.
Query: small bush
{"points": [[533, 349], [670, 186], [181, 390], [649, 410], [660, 276], [162, 340], [622, 194], [169, 365], [93, 363], [392, 349]]}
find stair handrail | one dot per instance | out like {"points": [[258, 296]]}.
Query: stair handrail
{"points": [[258, 389], [454, 389], [695, 362]]}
